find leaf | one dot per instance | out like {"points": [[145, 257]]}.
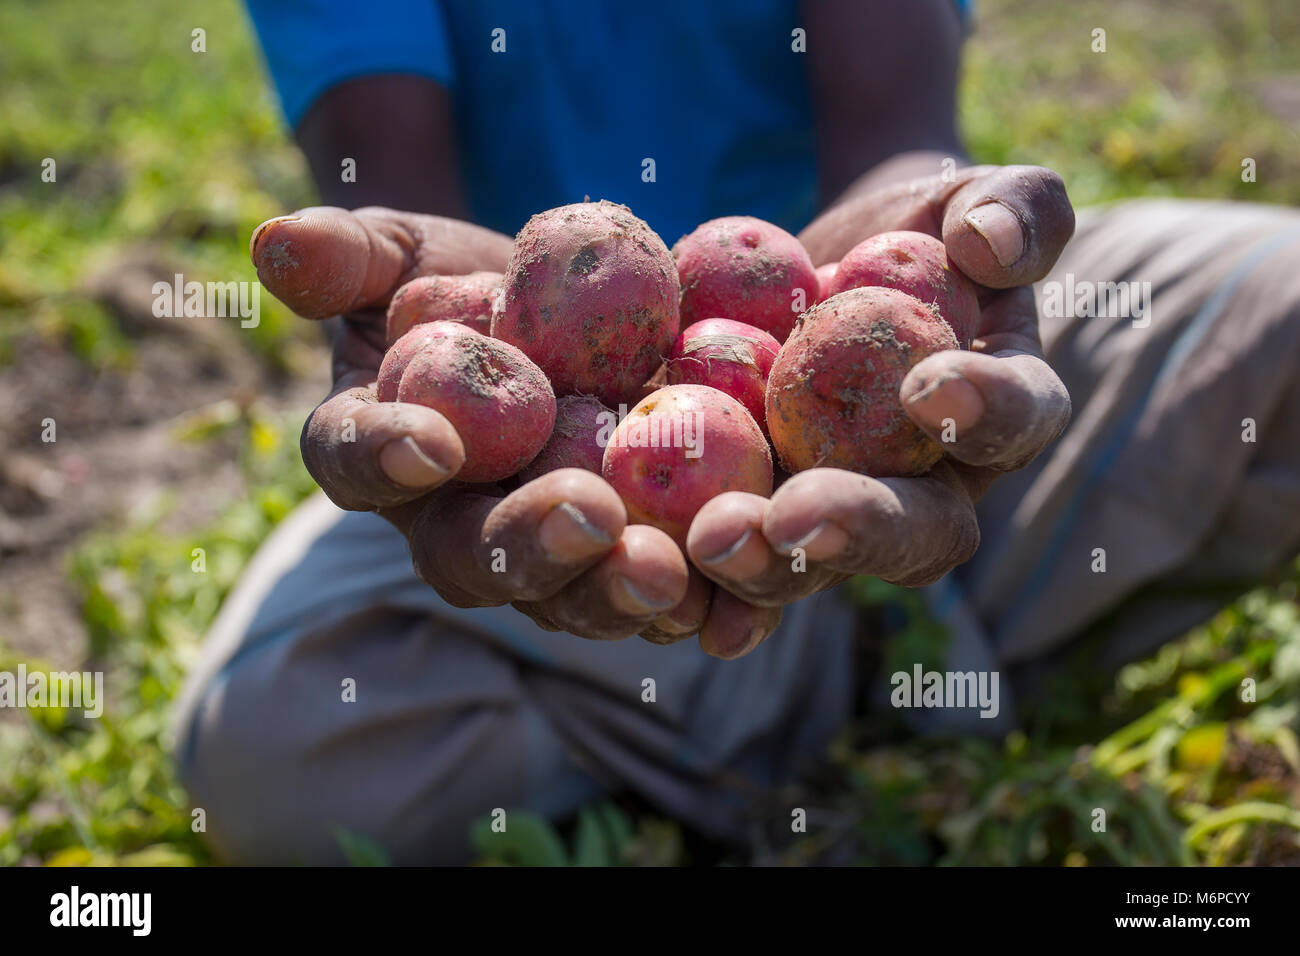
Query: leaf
{"points": [[527, 840], [158, 855], [72, 856], [591, 845], [1202, 746], [1192, 685], [619, 827], [360, 850], [1285, 740]]}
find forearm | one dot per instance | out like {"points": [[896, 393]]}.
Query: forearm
{"points": [[399, 131], [860, 211], [901, 168], [884, 82]]}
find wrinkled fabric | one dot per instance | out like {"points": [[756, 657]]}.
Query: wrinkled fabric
{"points": [[1152, 475]]}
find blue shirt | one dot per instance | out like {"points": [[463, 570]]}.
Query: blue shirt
{"points": [[684, 110]]}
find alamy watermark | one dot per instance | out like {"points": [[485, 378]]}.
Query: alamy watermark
{"points": [[82, 689], [652, 431], [1085, 299], [208, 300], [947, 689], [74, 908]]}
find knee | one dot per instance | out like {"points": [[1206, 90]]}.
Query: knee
{"points": [[284, 766], [242, 774]]}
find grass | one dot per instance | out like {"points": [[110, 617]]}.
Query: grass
{"points": [[151, 143], [83, 791], [157, 144], [1172, 107]]}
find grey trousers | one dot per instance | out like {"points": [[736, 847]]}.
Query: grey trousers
{"points": [[336, 692]]}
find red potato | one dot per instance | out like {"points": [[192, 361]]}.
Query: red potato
{"points": [[825, 274], [498, 401], [917, 264], [466, 299], [590, 295], [401, 352], [832, 397], [730, 356], [580, 423], [743, 268], [679, 448]]}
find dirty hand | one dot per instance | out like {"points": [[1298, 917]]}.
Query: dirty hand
{"points": [[573, 563], [1004, 227]]}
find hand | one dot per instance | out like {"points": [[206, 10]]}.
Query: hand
{"points": [[571, 561], [1004, 227]]}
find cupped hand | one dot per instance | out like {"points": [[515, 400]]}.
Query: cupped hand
{"points": [[558, 548], [1004, 227]]}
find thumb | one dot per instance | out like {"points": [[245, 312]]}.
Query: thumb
{"points": [[1008, 228], [323, 261]]}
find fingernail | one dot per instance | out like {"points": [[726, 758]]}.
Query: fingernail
{"points": [[1000, 229], [755, 637], [566, 535], [662, 638], [257, 233], [949, 398], [823, 542], [633, 600], [682, 619], [743, 561], [676, 629], [404, 462], [724, 556]]}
